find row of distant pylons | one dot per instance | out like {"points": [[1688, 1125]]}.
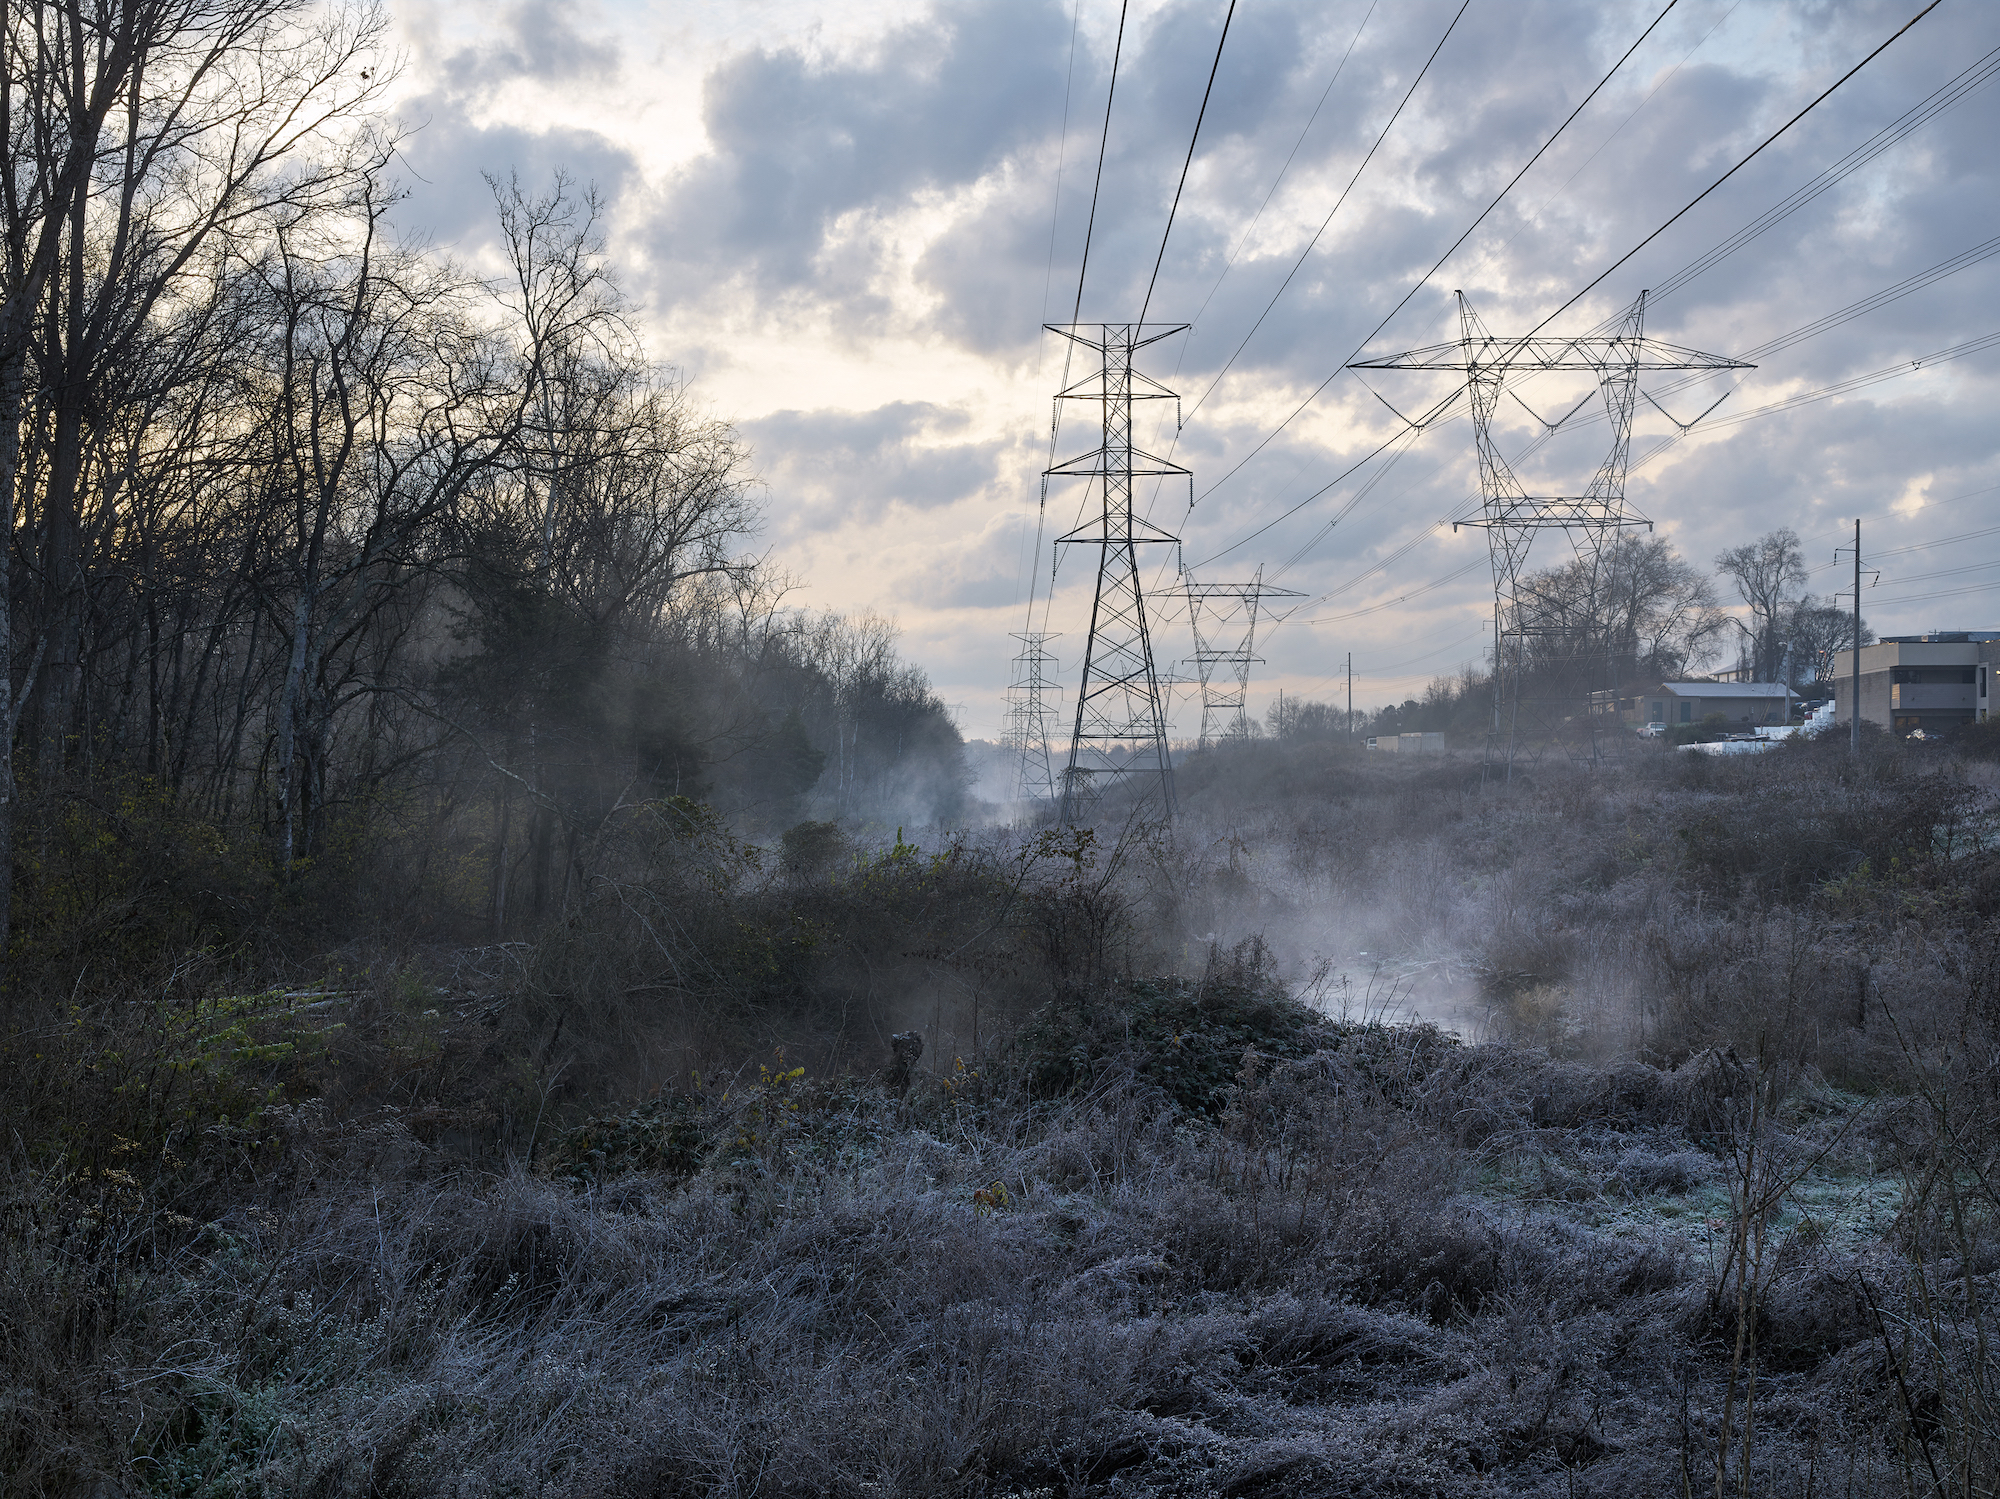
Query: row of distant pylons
{"points": [[1118, 726]]}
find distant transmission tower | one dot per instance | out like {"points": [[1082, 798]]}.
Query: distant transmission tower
{"points": [[1033, 705], [1120, 737], [1509, 514], [1226, 638]]}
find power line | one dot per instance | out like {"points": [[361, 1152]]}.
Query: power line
{"points": [[1948, 572], [1774, 135], [1828, 392], [1934, 104], [1110, 94], [1048, 279], [1314, 241], [1892, 134], [1424, 280], [1200, 115], [1062, 154], [1875, 301], [1230, 264], [1257, 217], [1941, 593], [1671, 74], [1344, 474]]}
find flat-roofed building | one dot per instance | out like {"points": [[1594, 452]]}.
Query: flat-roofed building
{"points": [[1741, 704], [1930, 682]]}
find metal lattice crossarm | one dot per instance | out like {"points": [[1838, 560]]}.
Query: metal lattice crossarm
{"points": [[1555, 510], [1596, 355]]}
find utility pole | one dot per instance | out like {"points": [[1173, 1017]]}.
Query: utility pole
{"points": [[1350, 699], [1121, 719], [1854, 666], [1854, 730]]}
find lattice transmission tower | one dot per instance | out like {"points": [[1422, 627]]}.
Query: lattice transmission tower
{"points": [[1034, 709], [1510, 515], [1223, 619], [1119, 740]]}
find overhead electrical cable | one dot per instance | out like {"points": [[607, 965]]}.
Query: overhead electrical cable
{"points": [[1090, 227], [1974, 77], [1062, 154], [1314, 241], [1244, 239], [1401, 598], [1944, 98], [1083, 267], [1876, 554], [1941, 99], [1928, 594], [1618, 129], [1346, 473], [1758, 150], [1827, 392], [1257, 217], [1949, 572], [1048, 280], [1425, 279], [1881, 298], [1200, 115], [1908, 286]]}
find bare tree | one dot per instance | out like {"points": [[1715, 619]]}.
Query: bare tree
{"points": [[1765, 572], [1815, 628], [141, 139], [1642, 611]]}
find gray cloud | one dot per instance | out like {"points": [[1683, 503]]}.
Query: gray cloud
{"points": [[450, 157], [814, 157], [826, 470], [797, 143], [533, 39]]}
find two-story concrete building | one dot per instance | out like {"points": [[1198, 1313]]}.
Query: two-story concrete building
{"points": [[1930, 682]]}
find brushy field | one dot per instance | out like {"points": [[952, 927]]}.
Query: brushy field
{"points": [[1705, 1203]]}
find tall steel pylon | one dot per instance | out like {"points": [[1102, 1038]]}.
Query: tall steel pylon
{"points": [[1033, 702], [1120, 735], [1227, 639], [1510, 515]]}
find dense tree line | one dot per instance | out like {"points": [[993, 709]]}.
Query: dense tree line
{"points": [[305, 519]]}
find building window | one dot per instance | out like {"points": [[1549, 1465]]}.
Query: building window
{"points": [[1687, 712], [1659, 713]]}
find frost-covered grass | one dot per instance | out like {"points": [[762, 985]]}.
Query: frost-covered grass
{"points": [[1374, 1272], [1703, 1192]]}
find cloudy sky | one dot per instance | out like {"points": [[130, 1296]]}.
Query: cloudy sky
{"points": [[848, 222]]}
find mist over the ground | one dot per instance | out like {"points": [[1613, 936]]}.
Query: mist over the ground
{"points": [[527, 960]]}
